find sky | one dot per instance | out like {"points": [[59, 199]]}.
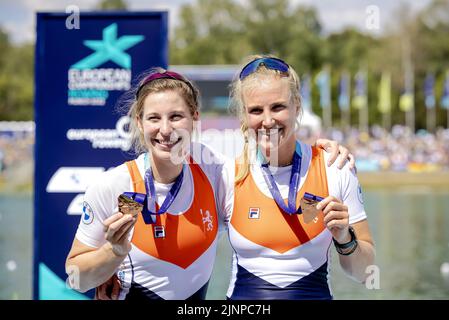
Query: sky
{"points": [[17, 17]]}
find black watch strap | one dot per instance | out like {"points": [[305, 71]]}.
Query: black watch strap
{"points": [[342, 247]]}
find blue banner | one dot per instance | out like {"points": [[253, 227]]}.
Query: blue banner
{"points": [[445, 96], [343, 96], [429, 96], [81, 71], [323, 82], [305, 93]]}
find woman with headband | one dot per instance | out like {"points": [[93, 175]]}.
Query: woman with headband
{"points": [[167, 251], [287, 208]]}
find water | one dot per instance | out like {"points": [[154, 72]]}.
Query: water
{"points": [[411, 232], [410, 228], [16, 247]]}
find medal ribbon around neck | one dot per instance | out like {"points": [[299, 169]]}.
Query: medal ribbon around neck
{"points": [[295, 178], [151, 193]]}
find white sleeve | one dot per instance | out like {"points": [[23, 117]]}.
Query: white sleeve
{"points": [[100, 202], [225, 201], [344, 185]]}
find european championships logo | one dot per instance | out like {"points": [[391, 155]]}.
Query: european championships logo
{"points": [[89, 85]]}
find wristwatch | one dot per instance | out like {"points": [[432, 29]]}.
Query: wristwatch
{"points": [[347, 248]]}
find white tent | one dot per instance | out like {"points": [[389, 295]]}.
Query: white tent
{"points": [[310, 121]]}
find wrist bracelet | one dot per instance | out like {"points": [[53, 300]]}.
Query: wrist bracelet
{"points": [[340, 251], [351, 244]]}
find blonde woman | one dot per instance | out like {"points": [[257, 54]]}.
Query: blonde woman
{"points": [[286, 208]]}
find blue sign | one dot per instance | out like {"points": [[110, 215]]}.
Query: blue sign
{"points": [[80, 74], [305, 92], [429, 95], [445, 96], [343, 97]]}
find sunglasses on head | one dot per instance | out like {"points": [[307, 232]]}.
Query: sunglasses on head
{"points": [[164, 75], [270, 63]]}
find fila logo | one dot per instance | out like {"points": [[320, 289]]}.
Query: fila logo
{"points": [[207, 219], [254, 213], [159, 232]]}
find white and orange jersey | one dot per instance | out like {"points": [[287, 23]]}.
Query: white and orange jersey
{"points": [[282, 256], [172, 258]]}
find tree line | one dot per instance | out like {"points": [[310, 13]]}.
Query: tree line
{"points": [[225, 31]]}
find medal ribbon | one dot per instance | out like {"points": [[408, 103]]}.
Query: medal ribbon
{"points": [[295, 178], [151, 194]]}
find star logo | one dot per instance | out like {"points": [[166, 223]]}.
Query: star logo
{"points": [[110, 48]]}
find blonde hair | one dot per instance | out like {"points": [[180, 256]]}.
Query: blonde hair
{"points": [[188, 92], [238, 107]]}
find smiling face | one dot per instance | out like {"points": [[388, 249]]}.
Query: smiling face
{"points": [[166, 123], [271, 116]]}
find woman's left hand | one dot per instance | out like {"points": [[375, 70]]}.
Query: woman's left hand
{"points": [[336, 150], [108, 290], [336, 218]]}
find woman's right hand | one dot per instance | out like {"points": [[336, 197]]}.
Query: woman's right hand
{"points": [[117, 228]]}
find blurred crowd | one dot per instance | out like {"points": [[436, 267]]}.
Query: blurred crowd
{"points": [[16, 148], [396, 150]]}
